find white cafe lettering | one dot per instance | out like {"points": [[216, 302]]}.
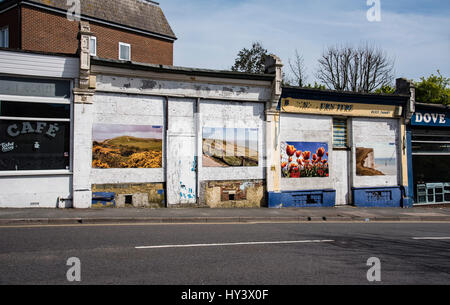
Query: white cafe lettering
{"points": [[15, 130], [430, 117]]}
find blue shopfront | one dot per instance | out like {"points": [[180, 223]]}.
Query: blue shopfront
{"points": [[339, 148], [429, 154]]}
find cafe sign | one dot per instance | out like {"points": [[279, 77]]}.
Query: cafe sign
{"points": [[339, 108]]}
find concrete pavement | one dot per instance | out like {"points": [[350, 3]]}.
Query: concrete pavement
{"points": [[206, 215]]}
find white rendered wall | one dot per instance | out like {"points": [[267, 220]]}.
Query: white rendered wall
{"points": [[226, 114], [181, 152], [135, 85], [40, 191], [308, 128], [368, 130], [122, 109], [136, 100]]}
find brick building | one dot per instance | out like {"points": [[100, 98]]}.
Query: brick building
{"points": [[130, 30]]}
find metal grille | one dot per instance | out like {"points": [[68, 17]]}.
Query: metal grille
{"points": [[308, 199], [340, 133]]}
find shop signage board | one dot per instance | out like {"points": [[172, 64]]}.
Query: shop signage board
{"points": [[430, 118], [339, 108]]}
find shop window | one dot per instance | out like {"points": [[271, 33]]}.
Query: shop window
{"points": [[33, 110], [34, 133], [34, 87], [34, 145], [340, 133], [431, 166]]}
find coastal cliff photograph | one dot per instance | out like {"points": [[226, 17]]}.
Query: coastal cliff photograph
{"points": [[378, 159]]}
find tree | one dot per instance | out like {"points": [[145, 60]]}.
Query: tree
{"points": [[251, 60], [361, 69], [387, 89], [434, 89], [298, 70]]}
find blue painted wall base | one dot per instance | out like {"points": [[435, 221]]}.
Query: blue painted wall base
{"points": [[377, 197], [300, 199]]}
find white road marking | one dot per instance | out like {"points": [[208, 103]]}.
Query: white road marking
{"points": [[431, 238], [235, 244]]}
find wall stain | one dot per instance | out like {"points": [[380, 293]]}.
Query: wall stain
{"points": [[148, 84]]}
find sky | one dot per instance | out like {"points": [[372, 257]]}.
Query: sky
{"points": [[240, 136], [102, 132], [415, 33]]}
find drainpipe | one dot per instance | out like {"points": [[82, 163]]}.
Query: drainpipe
{"points": [[197, 151], [166, 145]]}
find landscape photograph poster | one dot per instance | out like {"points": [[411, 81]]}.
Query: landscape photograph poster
{"points": [[376, 159], [230, 147], [127, 146], [304, 160]]}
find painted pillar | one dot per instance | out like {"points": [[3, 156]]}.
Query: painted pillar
{"points": [[181, 151], [273, 151], [406, 87], [82, 125], [409, 200], [274, 65]]}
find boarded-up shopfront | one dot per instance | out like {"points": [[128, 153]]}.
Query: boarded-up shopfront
{"points": [[339, 149], [162, 136]]}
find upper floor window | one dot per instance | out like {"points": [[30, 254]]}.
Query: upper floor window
{"points": [[4, 37], [93, 46], [46, 88], [124, 51]]}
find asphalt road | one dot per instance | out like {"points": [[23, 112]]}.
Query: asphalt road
{"points": [[223, 254]]}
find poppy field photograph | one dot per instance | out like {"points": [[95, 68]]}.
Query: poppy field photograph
{"points": [[304, 160]]}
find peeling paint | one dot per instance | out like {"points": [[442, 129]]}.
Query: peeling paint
{"points": [[148, 84], [227, 91]]}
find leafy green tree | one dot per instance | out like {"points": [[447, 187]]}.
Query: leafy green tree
{"points": [[316, 86], [434, 89], [251, 60], [385, 89]]}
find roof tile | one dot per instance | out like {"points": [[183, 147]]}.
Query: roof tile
{"points": [[138, 14]]}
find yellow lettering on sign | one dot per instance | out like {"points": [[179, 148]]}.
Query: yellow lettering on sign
{"points": [[337, 108]]}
